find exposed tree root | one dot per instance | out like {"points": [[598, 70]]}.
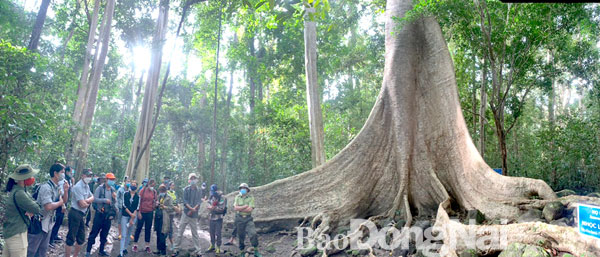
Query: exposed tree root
{"points": [[486, 239]]}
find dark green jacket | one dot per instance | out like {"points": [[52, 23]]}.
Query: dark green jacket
{"points": [[14, 223]]}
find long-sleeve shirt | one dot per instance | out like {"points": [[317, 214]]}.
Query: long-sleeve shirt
{"points": [[192, 196], [15, 221]]}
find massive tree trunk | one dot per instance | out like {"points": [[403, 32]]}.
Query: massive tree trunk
{"points": [[315, 115], [139, 159], [38, 26], [413, 153]]}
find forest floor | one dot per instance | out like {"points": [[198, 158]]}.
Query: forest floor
{"points": [[274, 244]]}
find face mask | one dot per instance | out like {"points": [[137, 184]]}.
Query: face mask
{"points": [[29, 181], [111, 183], [243, 191], [95, 179], [87, 180], [193, 182], [162, 194], [62, 176], [133, 188]]}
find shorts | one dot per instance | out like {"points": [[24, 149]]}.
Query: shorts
{"points": [[76, 227]]}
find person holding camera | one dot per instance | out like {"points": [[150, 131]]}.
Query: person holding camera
{"points": [[104, 205]]}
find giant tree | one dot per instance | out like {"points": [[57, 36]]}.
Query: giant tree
{"points": [[413, 156]]}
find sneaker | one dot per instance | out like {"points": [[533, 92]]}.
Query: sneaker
{"points": [[217, 250], [87, 254], [148, 249], [125, 252], [134, 249], [157, 252], [103, 253], [210, 248], [175, 254]]}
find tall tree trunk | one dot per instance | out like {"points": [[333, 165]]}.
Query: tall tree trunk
{"points": [[251, 73], [94, 84], [71, 30], [38, 26], [551, 119], [145, 123], [474, 113], [224, 149], [482, 107], [315, 116], [213, 137]]}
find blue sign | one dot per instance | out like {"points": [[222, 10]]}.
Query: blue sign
{"points": [[588, 220], [499, 171]]}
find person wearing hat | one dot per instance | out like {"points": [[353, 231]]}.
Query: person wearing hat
{"points": [[49, 198], [192, 198], [19, 207], [243, 205], [217, 206], [104, 204], [81, 199]]}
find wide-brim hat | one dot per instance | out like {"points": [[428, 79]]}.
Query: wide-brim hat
{"points": [[23, 172], [192, 175], [244, 185]]}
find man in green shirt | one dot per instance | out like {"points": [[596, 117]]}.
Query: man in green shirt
{"points": [[243, 206]]}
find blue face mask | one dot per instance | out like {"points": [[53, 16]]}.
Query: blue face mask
{"points": [[111, 183], [243, 191]]}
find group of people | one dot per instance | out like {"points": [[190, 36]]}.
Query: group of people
{"points": [[33, 220]]}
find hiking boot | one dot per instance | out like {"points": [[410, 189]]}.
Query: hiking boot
{"points": [[134, 249], [210, 249], [217, 250], [257, 254]]}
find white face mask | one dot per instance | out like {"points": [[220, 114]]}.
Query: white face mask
{"points": [[87, 180], [62, 176]]}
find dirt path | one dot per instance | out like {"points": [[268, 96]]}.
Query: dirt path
{"points": [[278, 245]]}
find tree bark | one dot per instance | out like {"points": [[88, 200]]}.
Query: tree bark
{"points": [[315, 115], [551, 119], [213, 137], [251, 73], [413, 153], [94, 84], [82, 92], [224, 149], [38, 26], [145, 122], [482, 107]]}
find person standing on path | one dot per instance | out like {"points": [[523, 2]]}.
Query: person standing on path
{"points": [[131, 201], [217, 206], [20, 206], [81, 199], [148, 200], [192, 198], [50, 200], [104, 204], [244, 205]]}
